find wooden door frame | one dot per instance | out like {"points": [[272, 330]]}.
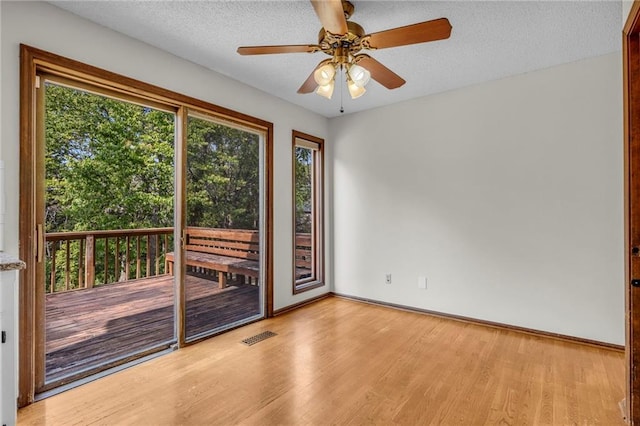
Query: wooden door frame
{"points": [[27, 249], [631, 116], [31, 61]]}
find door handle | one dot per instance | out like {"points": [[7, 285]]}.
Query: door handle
{"points": [[40, 243], [635, 283]]}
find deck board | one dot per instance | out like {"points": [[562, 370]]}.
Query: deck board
{"points": [[89, 327]]}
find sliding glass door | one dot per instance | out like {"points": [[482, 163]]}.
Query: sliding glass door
{"points": [[224, 283], [105, 226], [108, 277], [145, 220]]}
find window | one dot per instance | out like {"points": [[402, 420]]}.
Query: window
{"points": [[308, 212]]}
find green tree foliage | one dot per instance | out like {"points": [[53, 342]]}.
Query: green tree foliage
{"points": [[109, 164], [222, 176], [303, 188]]}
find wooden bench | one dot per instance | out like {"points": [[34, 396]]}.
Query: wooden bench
{"points": [[234, 251], [226, 251]]}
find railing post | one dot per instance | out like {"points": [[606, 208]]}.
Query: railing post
{"points": [[81, 243], [89, 262]]}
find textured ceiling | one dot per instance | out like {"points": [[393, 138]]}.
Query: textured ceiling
{"points": [[489, 40]]}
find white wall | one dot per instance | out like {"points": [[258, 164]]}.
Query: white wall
{"points": [[626, 8], [47, 27], [506, 195]]}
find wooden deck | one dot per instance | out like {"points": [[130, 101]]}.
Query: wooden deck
{"points": [[91, 327]]}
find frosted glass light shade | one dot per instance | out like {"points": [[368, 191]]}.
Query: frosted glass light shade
{"points": [[326, 90], [359, 75], [354, 90], [324, 75]]}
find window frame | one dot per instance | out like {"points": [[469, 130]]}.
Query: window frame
{"points": [[316, 144]]}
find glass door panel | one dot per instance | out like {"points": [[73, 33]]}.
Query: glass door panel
{"points": [[224, 233], [107, 226]]}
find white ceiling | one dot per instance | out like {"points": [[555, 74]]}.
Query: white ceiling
{"points": [[489, 40]]}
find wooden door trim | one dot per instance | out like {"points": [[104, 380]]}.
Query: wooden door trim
{"points": [[631, 116], [26, 298]]}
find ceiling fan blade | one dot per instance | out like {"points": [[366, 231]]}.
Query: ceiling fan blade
{"points": [[331, 15], [310, 83], [266, 50], [380, 73], [438, 29]]}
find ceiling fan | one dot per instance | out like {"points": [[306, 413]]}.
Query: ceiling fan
{"points": [[342, 40]]}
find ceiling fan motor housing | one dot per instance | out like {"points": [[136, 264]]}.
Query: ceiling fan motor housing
{"points": [[355, 31], [342, 47]]}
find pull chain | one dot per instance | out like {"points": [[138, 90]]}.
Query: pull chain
{"points": [[341, 89]]}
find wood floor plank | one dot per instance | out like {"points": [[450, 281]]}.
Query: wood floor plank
{"points": [[338, 361]]}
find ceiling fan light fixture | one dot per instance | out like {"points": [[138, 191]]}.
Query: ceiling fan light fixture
{"points": [[354, 90], [359, 75], [326, 90], [324, 74]]}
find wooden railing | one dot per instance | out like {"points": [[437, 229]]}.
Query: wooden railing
{"points": [[84, 259]]}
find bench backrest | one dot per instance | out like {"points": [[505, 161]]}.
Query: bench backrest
{"points": [[303, 251], [239, 243]]}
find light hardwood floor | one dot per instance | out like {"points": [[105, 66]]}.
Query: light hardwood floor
{"points": [[343, 362]]}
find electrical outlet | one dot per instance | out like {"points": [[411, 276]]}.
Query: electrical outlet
{"points": [[388, 279], [422, 282]]}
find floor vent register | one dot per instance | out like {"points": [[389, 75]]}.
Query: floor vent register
{"points": [[258, 338]]}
